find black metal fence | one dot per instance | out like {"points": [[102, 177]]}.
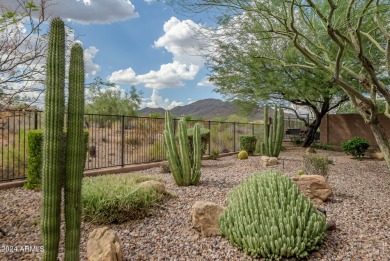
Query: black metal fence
{"points": [[114, 140]]}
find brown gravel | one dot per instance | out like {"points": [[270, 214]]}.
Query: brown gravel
{"points": [[360, 206]]}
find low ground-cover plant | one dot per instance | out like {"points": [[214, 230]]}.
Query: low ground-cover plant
{"points": [[356, 147], [321, 146], [268, 216], [117, 198], [214, 154], [315, 164]]}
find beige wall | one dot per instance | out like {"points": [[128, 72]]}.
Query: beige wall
{"points": [[336, 128]]}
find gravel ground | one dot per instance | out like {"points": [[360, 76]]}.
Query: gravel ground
{"points": [[360, 206]]}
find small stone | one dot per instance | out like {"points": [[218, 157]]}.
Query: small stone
{"points": [[310, 151], [331, 225]]}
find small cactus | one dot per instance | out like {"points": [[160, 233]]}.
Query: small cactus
{"points": [[242, 155], [273, 134]]}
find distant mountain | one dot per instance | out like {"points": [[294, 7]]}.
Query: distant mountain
{"points": [[207, 109]]}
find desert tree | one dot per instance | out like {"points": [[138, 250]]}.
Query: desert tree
{"points": [[350, 40]]}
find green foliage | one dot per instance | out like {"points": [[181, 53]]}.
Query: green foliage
{"points": [[35, 139], [356, 147], [35, 147], [111, 101], [273, 134], [268, 216], [321, 146], [242, 155], [117, 198], [315, 164], [185, 171], [248, 143], [237, 118], [214, 154], [297, 140], [204, 139], [156, 115]]}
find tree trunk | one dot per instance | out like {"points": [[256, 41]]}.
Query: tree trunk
{"points": [[381, 139], [311, 132]]}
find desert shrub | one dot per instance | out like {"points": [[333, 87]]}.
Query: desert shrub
{"points": [[156, 151], [268, 216], [316, 164], [164, 168], [204, 138], [117, 198], [133, 141], [248, 143], [356, 147], [297, 140], [321, 146], [214, 154], [242, 155]]}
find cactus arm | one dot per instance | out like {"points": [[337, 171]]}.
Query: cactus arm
{"points": [[266, 131], [279, 132], [184, 152], [172, 154], [75, 154], [52, 146], [196, 173]]}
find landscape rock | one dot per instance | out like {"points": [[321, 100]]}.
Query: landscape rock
{"points": [[310, 151], [314, 187], [268, 161], [331, 225], [205, 216], [103, 245], [377, 155], [157, 185]]}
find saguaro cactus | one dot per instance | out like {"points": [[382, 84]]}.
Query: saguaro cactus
{"points": [[179, 160], [273, 134], [52, 147], [75, 154]]}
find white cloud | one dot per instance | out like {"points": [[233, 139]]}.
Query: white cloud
{"points": [[205, 82], [150, 1], [168, 76], [90, 66], [185, 39], [156, 101], [86, 11]]}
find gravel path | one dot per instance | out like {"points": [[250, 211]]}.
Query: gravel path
{"points": [[360, 206]]}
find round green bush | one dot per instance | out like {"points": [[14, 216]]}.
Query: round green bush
{"points": [[242, 155], [268, 216], [356, 147], [248, 143]]}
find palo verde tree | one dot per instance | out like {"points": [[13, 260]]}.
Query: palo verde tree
{"points": [[241, 73], [350, 40]]}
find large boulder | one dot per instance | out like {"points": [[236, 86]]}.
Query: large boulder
{"points": [[103, 245], [314, 187], [156, 185], [268, 161], [205, 217]]}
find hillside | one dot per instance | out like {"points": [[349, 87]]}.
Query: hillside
{"points": [[207, 109]]}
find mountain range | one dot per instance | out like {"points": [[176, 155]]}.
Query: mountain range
{"points": [[206, 109]]}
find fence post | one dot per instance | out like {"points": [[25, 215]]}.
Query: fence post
{"points": [[35, 120], [209, 137], [234, 136], [123, 140]]}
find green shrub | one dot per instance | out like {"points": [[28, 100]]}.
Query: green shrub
{"points": [[321, 146], [117, 198], [268, 216], [214, 154], [248, 143], [297, 140], [316, 164], [204, 138], [34, 146], [356, 147], [35, 150], [242, 155]]}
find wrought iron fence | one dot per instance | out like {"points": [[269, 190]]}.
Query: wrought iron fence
{"points": [[114, 140]]}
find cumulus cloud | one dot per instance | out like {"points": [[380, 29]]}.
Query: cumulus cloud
{"points": [[205, 83], [185, 39], [90, 66], [168, 76], [86, 11], [156, 101]]}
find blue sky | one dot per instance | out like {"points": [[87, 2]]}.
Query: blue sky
{"points": [[142, 43]]}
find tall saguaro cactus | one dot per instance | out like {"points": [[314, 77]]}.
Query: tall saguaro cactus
{"points": [[75, 154], [179, 160], [52, 147], [273, 134]]}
